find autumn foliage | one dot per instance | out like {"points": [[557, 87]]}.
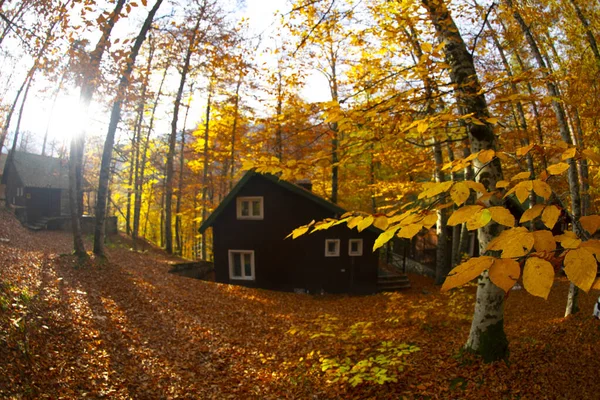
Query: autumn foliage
{"points": [[127, 328]]}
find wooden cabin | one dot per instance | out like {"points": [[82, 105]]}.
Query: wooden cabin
{"points": [[249, 246], [36, 186]]}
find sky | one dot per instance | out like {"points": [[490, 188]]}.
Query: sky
{"points": [[61, 119]]}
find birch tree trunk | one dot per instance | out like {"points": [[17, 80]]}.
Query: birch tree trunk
{"points": [[173, 138], [115, 116], [487, 337], [565, 133]]}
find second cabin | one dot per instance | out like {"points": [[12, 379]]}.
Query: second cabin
{"points": [[249, 246]]}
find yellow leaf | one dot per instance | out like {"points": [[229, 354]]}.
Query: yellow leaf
{"points": [[409, 231], [522, 193], [385, 237], [532, 213], [557, 169], [426, 47], [466, 272], [429, 221], [568, 240], [541, 188], [521, 151], [590, 223], [381, 222], [538, 277], [485, 156], [476, 186], [596, 285], [459, 193], [591, 155], [581, 268], [550, 216], [505, 273], [544, 241], [463, 214], [502, 216], [480, 219], [298, 232], [521, 176], [434, 189], [593, 246], [354, 221], [365, 223], [513, 243], [502, 184], [422, 126], [502, 156], [492, 120], [569, 153]]}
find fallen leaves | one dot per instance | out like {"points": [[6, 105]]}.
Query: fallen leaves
{"points": [[128, 329]]}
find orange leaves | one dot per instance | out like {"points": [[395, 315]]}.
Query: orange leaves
{"points": [[505, 273], [460, 193], [581, 268], [538, 277], [590, 223], [513, 243], [550, 214], [467, 271]]}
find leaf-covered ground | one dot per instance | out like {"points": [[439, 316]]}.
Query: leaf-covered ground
{"points": [[127, 329]]}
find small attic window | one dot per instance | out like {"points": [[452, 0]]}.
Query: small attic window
{"points": [[332, 248], [355, 247], [250, 208]]}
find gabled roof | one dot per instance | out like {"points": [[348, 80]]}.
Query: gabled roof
{"points": [[40, 171], [284, 184]]}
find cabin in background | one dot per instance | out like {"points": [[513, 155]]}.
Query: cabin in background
{"points": [[249, 246], [36, 186]]}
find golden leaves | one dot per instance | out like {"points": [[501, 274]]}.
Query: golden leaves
{"points": [[480, 219], [543, 241], [581, 268], [568, 240], [590, 223], [550, 216], [538, 277], [365, 223], [460, 193], [557, 169], [515, 242], [505, 273], [502, 216], [463, 214], [532, 213], [467, 271]]}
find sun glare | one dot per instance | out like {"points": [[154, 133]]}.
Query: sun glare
{"points": [[66, 119]]}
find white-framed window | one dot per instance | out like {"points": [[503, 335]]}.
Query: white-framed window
{"points": [[355, 247], [241, 264], [332, 247], [250, 207], [19, 192]]}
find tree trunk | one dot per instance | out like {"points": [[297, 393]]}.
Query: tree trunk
{"points": [[178, 232], [112, 129], [173, 138], [565, 134], [205, 169], [487, 336], [76, 148]]}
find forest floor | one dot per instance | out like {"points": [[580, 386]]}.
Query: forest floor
{"points": [[125, 328]]}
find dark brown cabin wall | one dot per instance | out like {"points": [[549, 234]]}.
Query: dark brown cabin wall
{"points": [[288, 264]]}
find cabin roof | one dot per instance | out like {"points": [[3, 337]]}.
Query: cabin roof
{"points": [[284, 184], [41, 171]]}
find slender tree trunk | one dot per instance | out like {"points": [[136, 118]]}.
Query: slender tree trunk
{"points": [[76, 147], [234, 129], [205, 169], [178, 232], [565, 134], [487, 336], [173, 137], [139, 183], [112, 129]]}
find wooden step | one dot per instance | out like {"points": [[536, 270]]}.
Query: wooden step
{"points": [[390, 283]]}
